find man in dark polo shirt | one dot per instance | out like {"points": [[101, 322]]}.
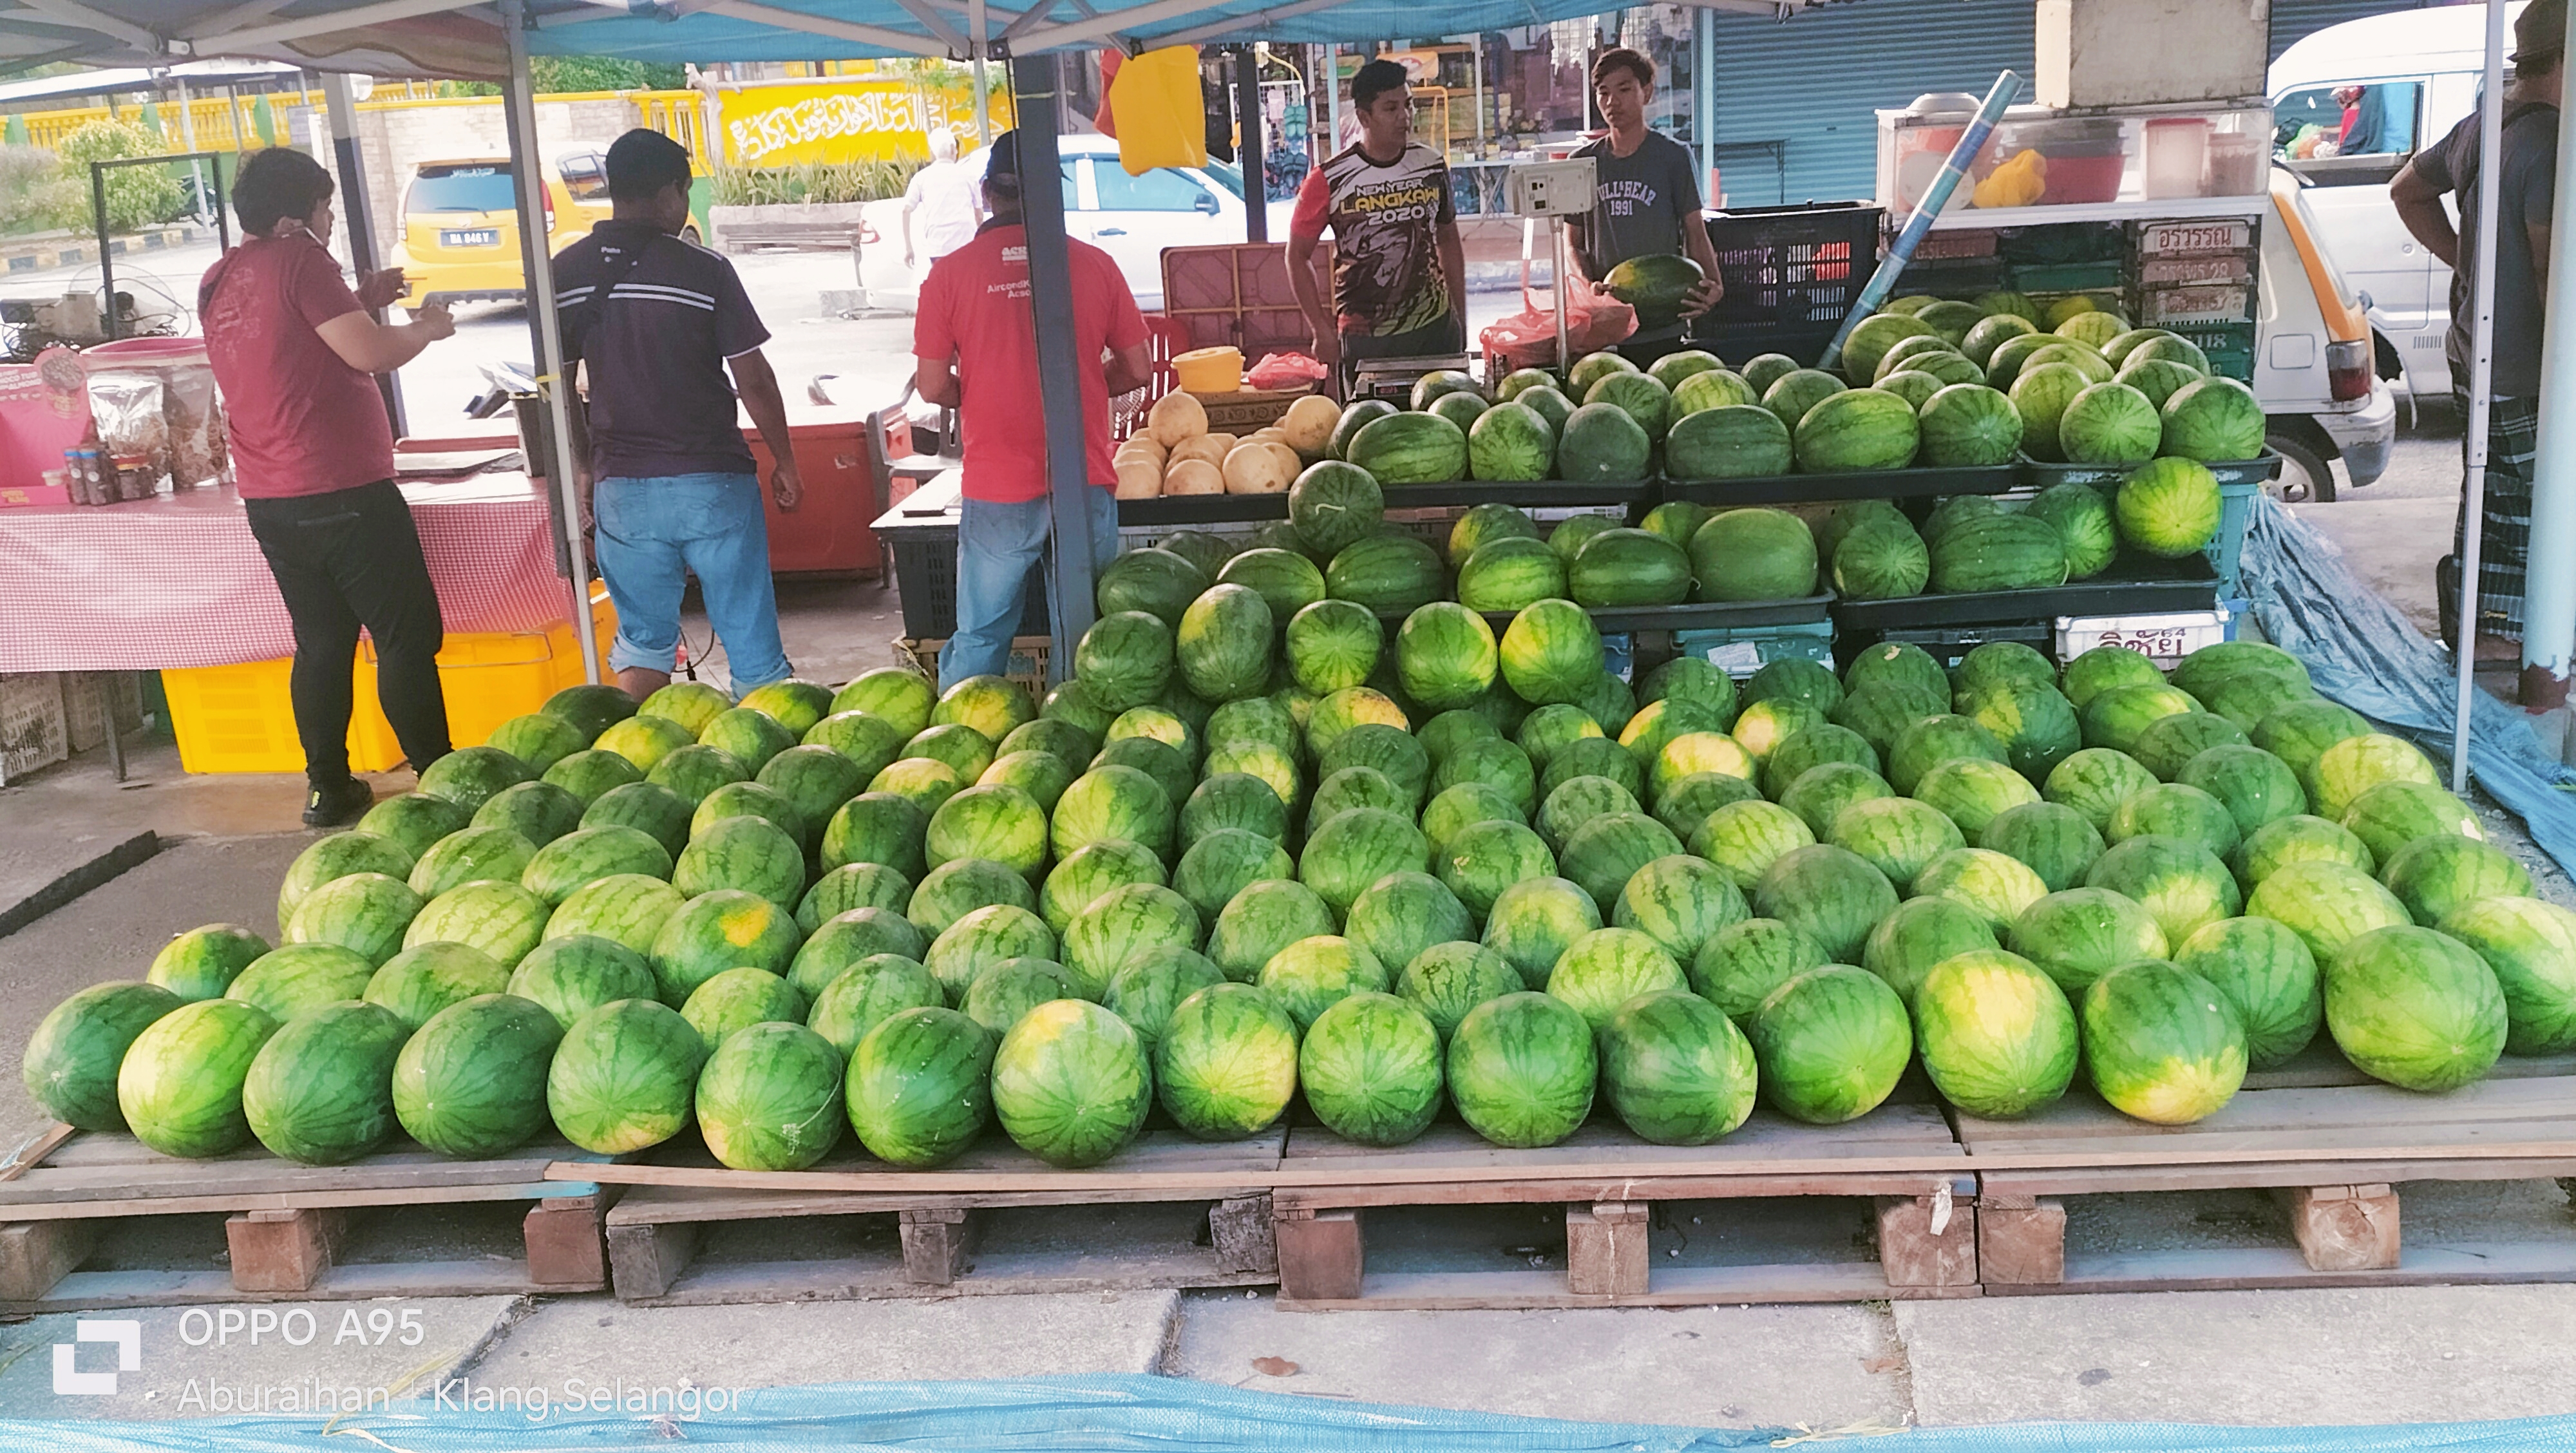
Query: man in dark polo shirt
{"points": [[659, 323]]}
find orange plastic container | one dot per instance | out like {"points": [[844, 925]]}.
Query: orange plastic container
{"points": [[240, 718]]}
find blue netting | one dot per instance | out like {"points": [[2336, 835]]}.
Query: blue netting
{"points": [[1170, 1415], [2365, 654]]}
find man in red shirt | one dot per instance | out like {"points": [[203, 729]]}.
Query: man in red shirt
{"points": [[293, 350], [975, 349]]}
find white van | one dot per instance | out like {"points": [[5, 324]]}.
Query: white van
{"points": [[2418, 72]]}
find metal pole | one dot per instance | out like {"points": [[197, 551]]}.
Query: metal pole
{"points": [[1332, 104], [1704, 102], [1560, 280], [2549, 587], [978, 46], [519, 111], [1247, 114], [2481, 382], [106, 258], [1480, 95], [357, 212], [1069, 607]]}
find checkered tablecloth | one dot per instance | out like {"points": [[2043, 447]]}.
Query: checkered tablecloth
{"points": [[178, 581]]}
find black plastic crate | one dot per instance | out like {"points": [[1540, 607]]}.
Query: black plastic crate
{"points": [[1736, 345], [1950, 645], [1791, 268], [2134, 585], [1890, 484], [925, 576]]}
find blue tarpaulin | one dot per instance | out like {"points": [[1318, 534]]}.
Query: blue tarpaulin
{"points": [[1172, 1415], [2362, 652]]}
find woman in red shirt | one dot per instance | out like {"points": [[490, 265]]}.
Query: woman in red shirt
{"points": [[293, 350]]}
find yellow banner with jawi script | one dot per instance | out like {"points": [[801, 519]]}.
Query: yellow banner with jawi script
{"points": [[835, 121]]}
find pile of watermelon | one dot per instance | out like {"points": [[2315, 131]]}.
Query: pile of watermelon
{"points": [[1382, 863]]}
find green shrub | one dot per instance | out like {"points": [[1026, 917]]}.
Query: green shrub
{"points": [[137, 196], [856, 181]]}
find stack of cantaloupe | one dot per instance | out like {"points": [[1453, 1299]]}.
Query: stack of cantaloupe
{"points": [[1175, 453]]}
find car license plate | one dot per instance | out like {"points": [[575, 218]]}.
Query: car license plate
{"points": [[473, 237]]}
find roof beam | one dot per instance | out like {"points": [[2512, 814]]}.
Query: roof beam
{"points": [[70, 12], [1035, 15], [876, 35], [242, 14], [940, 30], [337, 22], [1246, 24], [1124, 21]]}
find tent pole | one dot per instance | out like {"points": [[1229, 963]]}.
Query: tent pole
{"points": [[978, 46], [527, 168], [1704, 103], [2549, 588], [2481, 387], [358, 214], [1248, 145], [1069, 607]]}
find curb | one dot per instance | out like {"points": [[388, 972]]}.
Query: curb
{"points": [[77, 880], [74, 254]]}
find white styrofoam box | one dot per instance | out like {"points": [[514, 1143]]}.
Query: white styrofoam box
{"points": [[2168, 638], [2140, 52]]}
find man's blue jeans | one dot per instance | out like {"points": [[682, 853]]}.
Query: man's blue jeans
{"points": [[654, 533], [997, 544]]}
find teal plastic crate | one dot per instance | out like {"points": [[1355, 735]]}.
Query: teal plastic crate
{"points": [[1743, 650], [2239, 481]]}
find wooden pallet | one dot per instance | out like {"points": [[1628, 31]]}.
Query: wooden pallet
{"points": [[1896, 1178], [2333, 1154], [1166, 1212], [288, 1227]]}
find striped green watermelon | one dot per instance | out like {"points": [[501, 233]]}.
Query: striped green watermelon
{"points": [[2254, 786], [2349, 768], [2326, 904], [2415, 1008], [1920, 933], [2171, 809], [331, 858], [1113, 802], [1371, 1069], [1161, 583], [1744, 839], [993, 706], [1507, 575], [627, 908], [1679, 901], [300, 978], [419, 982], [1311, 974], [1820, 794], [866, 992], [71, 1063], [471, 776], [645, 741], [2267, 972], [1743, 962], [690, 703], [1404, 913], [364, 912], [1333, 505], [179, 1084], [1521, 1070], [2079, 934], [2051, 839], [2180, 883], [1606, 968], [1225, 1065], [1997, 886], [1355, 849], [2162, 1044], [749, 735], [2217, 418], [588, 855], [1997, 1036], [1410, 448], [657, 812], [1152, 985], [1830, 894], [320, 1091], [812, 782], [470, 1082], [1005, 991], [1223, 643], [590, 709], [1830, 1043], [2531, 948], [1550, 652], [537, 811], [204, 962], [1445, 655], [1479, 862], [869, 743], [918, 1091], [497, 853], [1071, 1084], [2299, 732], [1731, 440], [1447, 980], [1121, 924], [2438, 875], [716, 931], [2167, 744], [1091, 871], [1262, 921], [981, 939], [1235, 800], [572, 976], [1676, 1069], [878, 827], [737, 999], [1532, 923], [1604, 853], [692, 772], [1934, 740], [1286, 581], [769, 1098], [503, 920], [1898, 836], [2392, 815], [624, 1077], [1754, 554], [1857, 429], [1392, 575], [1814, 747], [743, 854], [902, 698], [748, 799], [2095, 781], [413, 821]]}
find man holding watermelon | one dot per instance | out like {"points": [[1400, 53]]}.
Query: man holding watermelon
{"points": [[1643, 239], [1399, 270]]}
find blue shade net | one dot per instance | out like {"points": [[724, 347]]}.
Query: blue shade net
{"points": [[1171, 1415], [2360, 651]]}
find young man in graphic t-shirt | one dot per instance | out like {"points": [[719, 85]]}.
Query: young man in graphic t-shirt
{"points": [[1399, 285], [1645, 200]]}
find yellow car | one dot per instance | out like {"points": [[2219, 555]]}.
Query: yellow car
{"points": [[460, 224]]}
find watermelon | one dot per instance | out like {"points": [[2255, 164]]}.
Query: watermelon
{"points": [[917, 1090], [419, 982], [861, 933], [770, 1098], [1410, 448], [470, 1082], [1764, 725], [2174, 810], [2095, 781], [1828, 893], [2392, 815], [2254, 786], [627, 908], [1601, 855], [1997, 1036], [1793, 394], [985, 937], [178, 1084], [1913, 385], [2437, 876], [993, 706], [1830, 1043], [2079, 934], [1676, 1070], [2180, 883], [654, 811], [537, 811], [1919, 934], [2299, 732], [1576, 801], [1125, 659], [1657, 285], [2327, 904], [1389, 574], [1934, 740], [1308, 975], [472, 776], [2349, 768], [2531, 948], [1119, 924], [2116, 717], [1973, 792], [749, 799], [1897, 664], [1532, 923], [588, 709], [1356, 417], [1551, 728], [1738, 439], [1160, 583], [328, 859], [1754, 554], [2415, 1008], [1509, 574], [1898, 836], [1447, 980], [2299, 839], [1991, 331], [1225, 1065], [2082, 357], [1609, 966], [414, 821], [1875, 336], [1550, 652], [538, 740], [1593, 757], [320, 1090], [624, 1078], [1284, 580], [1062, 740], [2268, 975], [715, 931], [2085, 526], [1765, 369], [588, 855], [571, 976], [2106, 668], [1445, 655], [1070, 1083], [1857, 429], [1893, 361], [1003, 992], [2247, 697], [690, 703], [1820, 795], [1261, 921], [2213, 419], [812, 783], [2169, 507], [866, 992], [476, 853], [2110, 423], [1400, 915], [1333, 644], [2042, 390], [1223, 643], [71, 1064], [1998, 552], [694, 772], [2037, 727], [1153, 983], [1816, 746], [1549, 403], [1387, 752], [748, 854], [1602, 443], [2162, 1044], [880, 828], [644, 741], [204, 962], [1521, 1070], [1742, 840], [2053, 840], [899, 697], [300, 978], [1112, 802], [1882, 560], [1679, 901], [1202, 549], [1371, 1069], [2004, 365], [365, 912], [503, 920], [1625, 568]]}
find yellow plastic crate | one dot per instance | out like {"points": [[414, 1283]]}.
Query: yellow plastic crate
{"points": [[240, 718]]}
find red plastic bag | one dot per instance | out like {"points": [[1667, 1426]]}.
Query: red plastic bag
{"points": [[1286, 371], [1527, 339]]}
